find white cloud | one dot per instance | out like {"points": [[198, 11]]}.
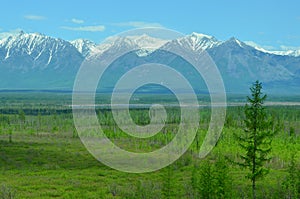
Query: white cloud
{"points": [[34, 17], [78, 21], [98, 28], [138, 24]]}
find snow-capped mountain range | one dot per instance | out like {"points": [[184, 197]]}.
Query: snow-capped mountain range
{"points": [[294, 53], [195, 41], [34, 60], [29, 51]]}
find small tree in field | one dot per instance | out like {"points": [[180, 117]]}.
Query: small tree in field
{"points": [[22, 118], [256, 141], [10, 135], [168, 185], [291, 184]]}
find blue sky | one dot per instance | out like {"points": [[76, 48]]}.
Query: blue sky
{"points": [[272, 24]]}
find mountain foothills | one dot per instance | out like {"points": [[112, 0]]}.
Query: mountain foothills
{"points": [[36, 61]]}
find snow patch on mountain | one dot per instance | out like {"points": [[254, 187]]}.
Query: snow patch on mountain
{"points": [[238, 42], [198, 42], [85, 47], [27, 51], [31, 44], [43, 57], [144, 44], [294, 53]]}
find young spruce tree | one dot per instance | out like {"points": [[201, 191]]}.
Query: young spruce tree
{"points": [[256, 141]]}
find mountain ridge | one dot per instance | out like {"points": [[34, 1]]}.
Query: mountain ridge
{"points": [[34, 60], [92, 44]]}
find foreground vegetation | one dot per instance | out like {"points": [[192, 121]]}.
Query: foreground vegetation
{"points": [[41, 155]]}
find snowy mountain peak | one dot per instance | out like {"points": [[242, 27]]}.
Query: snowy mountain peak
{"points": [[235, 41], [36, 50], [21, 32], [34, 60], [200, 35], [32, 43], [24, 35], [142, 41], [84, 46], [293, 53], [145, 43], [198, 41]]}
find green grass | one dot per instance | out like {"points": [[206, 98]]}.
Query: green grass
{"points": [[46, 159], [60, 167]]}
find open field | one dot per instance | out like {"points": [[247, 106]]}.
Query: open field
{"points": [[41, 155]]}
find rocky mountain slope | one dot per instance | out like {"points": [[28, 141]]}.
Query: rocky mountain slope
{"points": [[37, 61]]}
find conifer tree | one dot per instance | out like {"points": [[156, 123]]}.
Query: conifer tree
{"points": [[257, 137]]}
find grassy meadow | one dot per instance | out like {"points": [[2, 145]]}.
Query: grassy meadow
{"points": [[41, 155]]}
